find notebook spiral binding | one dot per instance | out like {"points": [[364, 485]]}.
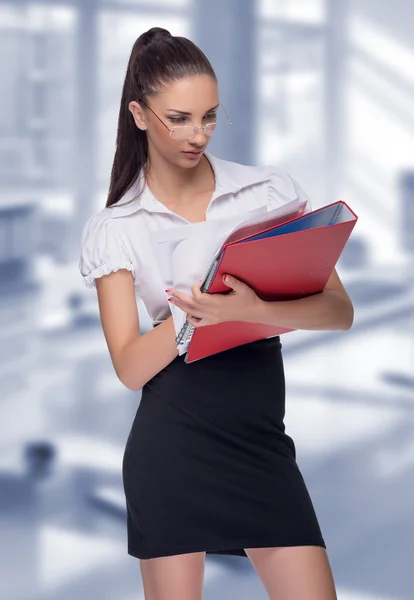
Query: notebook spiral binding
{"points": [[186, 332]]}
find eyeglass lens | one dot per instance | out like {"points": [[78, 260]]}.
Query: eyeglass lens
{"points": [[186, 131]]}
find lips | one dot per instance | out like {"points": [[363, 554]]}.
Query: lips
{"points": [[192, 152]]}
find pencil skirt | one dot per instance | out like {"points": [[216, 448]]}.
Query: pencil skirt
{"points": [[208, 465]]}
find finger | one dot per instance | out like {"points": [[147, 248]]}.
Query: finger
{"points": [[187, 308], [196, 290], [233, 283], [179, 295], [194, 321]]}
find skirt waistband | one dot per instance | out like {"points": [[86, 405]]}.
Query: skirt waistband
{"points": [[248, 350]]}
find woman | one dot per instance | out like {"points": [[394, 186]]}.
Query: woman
{"points": [[208, 467]]}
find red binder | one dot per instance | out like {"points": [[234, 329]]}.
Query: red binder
{"points": [[291, 260]]}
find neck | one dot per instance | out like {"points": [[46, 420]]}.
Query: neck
{"points": [[176, 181]]}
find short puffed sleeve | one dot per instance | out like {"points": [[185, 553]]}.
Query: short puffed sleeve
{"points": [[283, 188], [102, 250]]}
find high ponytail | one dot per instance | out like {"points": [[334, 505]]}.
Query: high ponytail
{"points": [[157, 59]]}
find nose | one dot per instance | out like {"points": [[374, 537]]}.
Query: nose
{"points": [[197, 134]]}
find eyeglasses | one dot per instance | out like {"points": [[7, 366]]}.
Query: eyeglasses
{"points": [[186, 132]]}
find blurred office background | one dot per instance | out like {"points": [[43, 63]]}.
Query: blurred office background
{"points": [[322, 88]]}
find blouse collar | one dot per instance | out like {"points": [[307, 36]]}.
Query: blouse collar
{"points": [[230, 178]]}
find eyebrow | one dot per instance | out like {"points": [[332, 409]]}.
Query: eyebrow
{"points": [[181, 112]]}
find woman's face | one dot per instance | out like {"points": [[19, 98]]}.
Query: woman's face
{"points": [[196, 96]]}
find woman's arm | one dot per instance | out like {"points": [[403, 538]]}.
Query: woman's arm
{"points": [[146, 355], [330, 309], [136, 358]]}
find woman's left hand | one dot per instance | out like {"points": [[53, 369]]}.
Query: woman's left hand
{"points": [[202, 309]]}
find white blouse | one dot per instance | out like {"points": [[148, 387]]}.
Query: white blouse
{"points": [[122, 236]]}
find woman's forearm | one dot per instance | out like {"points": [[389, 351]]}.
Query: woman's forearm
{"points": [[326, 310], [147, 354]]}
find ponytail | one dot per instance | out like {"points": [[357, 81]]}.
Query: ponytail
{"points": [[157, 58]]}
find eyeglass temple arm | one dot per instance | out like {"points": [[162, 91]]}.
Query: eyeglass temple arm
{"points": [[228, 118], [160, 120]]}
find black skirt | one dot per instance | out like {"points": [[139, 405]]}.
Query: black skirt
{"points": [[208, 465]]}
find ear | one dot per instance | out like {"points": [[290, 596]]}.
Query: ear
{"points": [[138, 114]]}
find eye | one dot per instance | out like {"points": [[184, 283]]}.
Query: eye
{"points": [[182, 119]]}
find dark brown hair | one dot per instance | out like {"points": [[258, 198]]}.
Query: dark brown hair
{"points": [[157, 59]]}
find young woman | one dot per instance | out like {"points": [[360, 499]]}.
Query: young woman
{"points": [[207, 466]]}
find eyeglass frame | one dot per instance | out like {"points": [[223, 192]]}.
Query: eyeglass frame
{"points": [[195, 129]]}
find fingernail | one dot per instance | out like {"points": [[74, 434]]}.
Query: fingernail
{"points": [[170, 299], [224, 278], [168, 291]]}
